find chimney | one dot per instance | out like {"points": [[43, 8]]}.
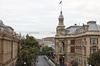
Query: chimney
{"points": [[84, 28]]}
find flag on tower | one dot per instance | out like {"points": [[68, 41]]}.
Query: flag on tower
{"points": [[60, 2]]}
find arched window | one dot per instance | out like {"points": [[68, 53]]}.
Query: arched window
{"points": [[63, 45], [93, 49]]}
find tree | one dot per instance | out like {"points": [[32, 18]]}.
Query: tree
{"points": [[29, 52], [94, 58], [47, 50]]}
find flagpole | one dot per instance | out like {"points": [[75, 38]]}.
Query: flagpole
{"points": [[61, 6]]}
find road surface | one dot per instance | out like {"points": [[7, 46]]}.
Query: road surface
{"points": [[42, 61]]}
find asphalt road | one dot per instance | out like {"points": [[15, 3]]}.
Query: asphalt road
{"points": [[42, 61]]}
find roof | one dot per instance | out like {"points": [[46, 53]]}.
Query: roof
{"points": [[98, 26], [91, 26], [48, 38], [5, 26], [72, 29]]}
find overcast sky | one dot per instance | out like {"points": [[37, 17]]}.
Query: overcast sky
{"points": [[40, 17]]}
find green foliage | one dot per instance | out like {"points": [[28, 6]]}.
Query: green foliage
{"points": [[74, 63], [47, 50], [94, 59], [29, 52]]}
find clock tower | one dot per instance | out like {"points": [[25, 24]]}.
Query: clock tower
{"points": [[60, 40], [60, 28]]}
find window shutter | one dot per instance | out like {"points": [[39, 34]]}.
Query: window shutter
{"points": [[78, 41], [90, 40], [97, 40]]}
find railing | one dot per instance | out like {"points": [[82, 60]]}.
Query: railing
{"points": [[51, 61], [54, 61]]}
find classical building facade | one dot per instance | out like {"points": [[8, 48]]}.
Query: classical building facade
{"points": [[9, 45], [76, 43]]}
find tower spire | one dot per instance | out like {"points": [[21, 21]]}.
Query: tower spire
{"points": [[61, 16]]}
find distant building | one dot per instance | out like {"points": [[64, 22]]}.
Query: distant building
{"points": [[76, 43], [40, 41], [49, 41], [9, 45]]}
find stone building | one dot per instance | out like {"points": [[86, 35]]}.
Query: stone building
{"points": [[76, 43], [9, 45]]}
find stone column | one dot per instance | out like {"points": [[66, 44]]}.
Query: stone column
{"points": [[88, 47], [65, 52], [98, 43], [65, 59], [58, 59], [83, 50], [2, 50]]}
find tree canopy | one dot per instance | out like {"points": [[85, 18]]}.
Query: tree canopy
{"points": [[29, 52], [47, 50], [94, 58]]}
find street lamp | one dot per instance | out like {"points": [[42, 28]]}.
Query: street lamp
{"points": [[24, 63], [71, 61], [63, 60]]}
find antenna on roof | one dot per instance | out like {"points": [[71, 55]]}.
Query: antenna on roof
{"points": [[75, 24]]}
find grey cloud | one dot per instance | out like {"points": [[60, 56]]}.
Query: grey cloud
{"points": [[41, 15]]}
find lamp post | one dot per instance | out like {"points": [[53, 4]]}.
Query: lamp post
{"points": [[71, 61], [63, 60], [24, 63]]}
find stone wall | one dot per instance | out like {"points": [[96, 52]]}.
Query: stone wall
{"points": [[9, 47]]}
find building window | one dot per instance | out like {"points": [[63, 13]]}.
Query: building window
{"points": [[72, 41], [72, 49], [93, 41], [93, 50]]}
